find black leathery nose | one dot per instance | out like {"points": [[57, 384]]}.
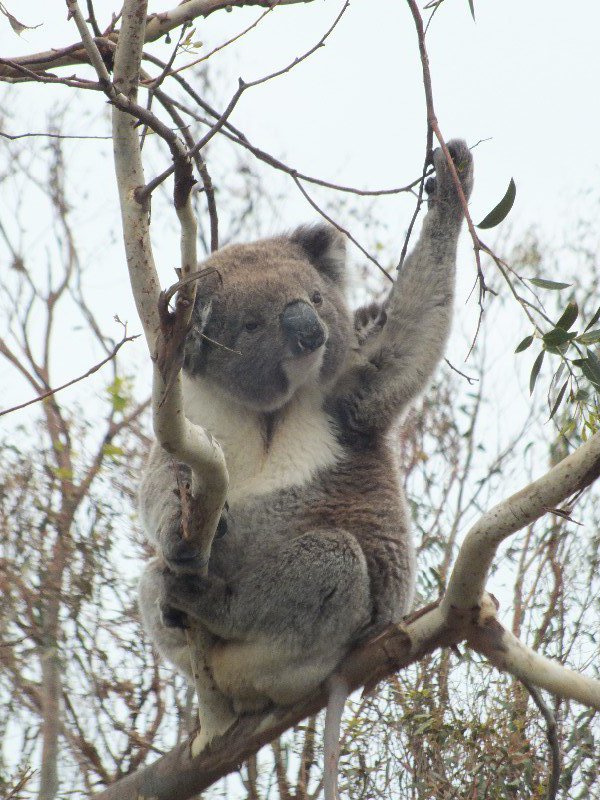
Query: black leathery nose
{"points": [[302, 327]]}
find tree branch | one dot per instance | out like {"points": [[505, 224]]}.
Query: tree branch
{"points": [[157, 25], [572, 474]]}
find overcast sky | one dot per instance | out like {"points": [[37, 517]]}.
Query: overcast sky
{"points": [[523, 76]]}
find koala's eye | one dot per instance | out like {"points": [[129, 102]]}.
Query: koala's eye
{"points": [[316, 298], [251, 325]]}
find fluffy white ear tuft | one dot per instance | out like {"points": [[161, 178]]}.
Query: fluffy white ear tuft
{"points": [[325, 247]]}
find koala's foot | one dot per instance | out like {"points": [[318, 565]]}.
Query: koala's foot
{"points": [[172, 617], [184, 594], [441, 188], [181, 555]]}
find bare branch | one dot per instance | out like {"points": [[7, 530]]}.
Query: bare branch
{"points": [[553, 744], [509, 654], [87, 374], [157, 25]]}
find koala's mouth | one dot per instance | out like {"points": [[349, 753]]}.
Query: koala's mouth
{"points": [[301, 366]]}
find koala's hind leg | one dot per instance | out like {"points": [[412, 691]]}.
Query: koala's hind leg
{"points": [[171, 642], [286, 620]]}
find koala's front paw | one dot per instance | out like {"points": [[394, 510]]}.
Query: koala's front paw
{"points": [[180, 554], [441, 188], [179, 594]]}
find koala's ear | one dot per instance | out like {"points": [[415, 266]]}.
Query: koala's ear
{"points": [[325, 247]]}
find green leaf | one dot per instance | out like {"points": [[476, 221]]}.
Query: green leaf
{"points": [[557, 337], [569, 316], [591, 337], [472, 7], [500, 212], [594, 319], [524, 344], [589, 368], [119, 393], [544, 284], [594, 363], [559, 398], [535, 370], [112, 451]]}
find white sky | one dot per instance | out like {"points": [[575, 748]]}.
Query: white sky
{"points": [[524, 75]]}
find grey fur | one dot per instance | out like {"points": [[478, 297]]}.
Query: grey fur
{"points": [[318, 551]]}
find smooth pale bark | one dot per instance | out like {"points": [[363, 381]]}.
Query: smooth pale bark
{"points": [[466, 611], [468, 578]]}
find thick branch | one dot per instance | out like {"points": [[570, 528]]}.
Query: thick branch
{"points": [[179, 775], [509, 654], [157, 25], [574, 473]]}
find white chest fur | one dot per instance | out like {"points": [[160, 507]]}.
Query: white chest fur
{"points": [[301, 443]]}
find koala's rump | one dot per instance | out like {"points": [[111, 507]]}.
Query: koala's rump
{"points": [[257, 674]]}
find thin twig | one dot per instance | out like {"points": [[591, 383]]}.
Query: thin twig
{"points": [[242, 86], [87, 374], [470, 381], [238, 137], [346, 232]]}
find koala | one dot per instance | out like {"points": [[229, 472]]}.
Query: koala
{"points": [[314, 552]]}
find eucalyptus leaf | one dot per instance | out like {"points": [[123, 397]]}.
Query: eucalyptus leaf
{"points": [[545, 284], [500, 212], [568, 316], [594, 319], [559, 398], [524, 344], [589, 368], [535, 370], [557, 337], [590, 337], [594, 362], [472, 7]]}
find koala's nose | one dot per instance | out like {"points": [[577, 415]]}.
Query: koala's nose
{"points": [[302, 327]]}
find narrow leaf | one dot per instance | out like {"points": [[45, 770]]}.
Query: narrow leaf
{"points": [[594, 319], [544, 284], [524, 344], [535, 371], [559, 398], [18, 27], [569, 316], [594, 363], [591, 337], [472, 7], [500, 212], [588, 368]]}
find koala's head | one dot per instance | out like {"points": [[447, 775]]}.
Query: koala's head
{"points": [[272, 317]]}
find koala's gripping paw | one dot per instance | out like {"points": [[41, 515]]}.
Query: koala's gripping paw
{"points": [[178, 596], [441, 188], [180, 554]]}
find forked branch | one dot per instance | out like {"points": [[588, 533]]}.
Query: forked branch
{"points": [[462, 615]]}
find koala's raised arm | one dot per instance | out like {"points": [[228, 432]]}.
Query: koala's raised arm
{"points": [[403, 343]]}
